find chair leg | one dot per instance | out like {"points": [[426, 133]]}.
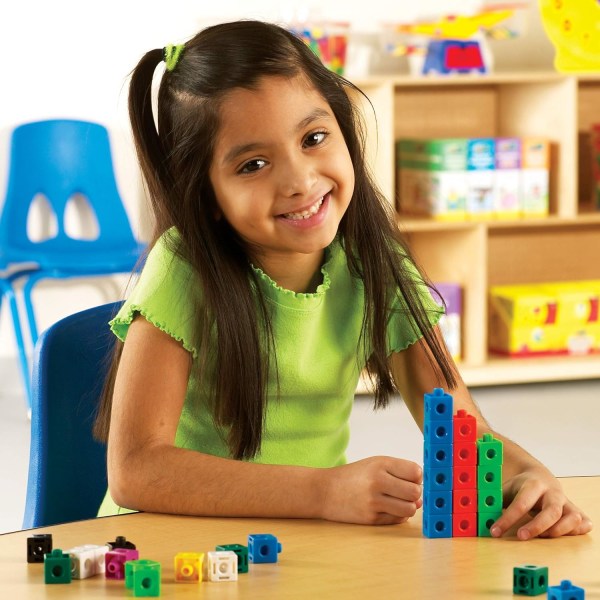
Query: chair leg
{"points": [[8, 291], [27, 289]]}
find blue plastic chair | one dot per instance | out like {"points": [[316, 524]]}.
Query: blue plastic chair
{"points": [[67, 467], [62, 160]]}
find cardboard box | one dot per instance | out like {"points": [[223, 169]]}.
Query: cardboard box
{"points": [[545, 319], [431, 177], [535, 166], [451, 322]]}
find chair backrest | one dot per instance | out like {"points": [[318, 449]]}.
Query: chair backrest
{"points": [[60, 160], [67, 467]]}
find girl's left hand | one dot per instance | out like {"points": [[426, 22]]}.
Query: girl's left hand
{"points": [[537, 492]]}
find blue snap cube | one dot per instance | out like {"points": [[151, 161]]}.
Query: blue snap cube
{"points": [[565, 591], [263, 548]]}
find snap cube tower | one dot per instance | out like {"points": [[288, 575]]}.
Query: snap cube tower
{"points": [[489, 482], [462, 476], [437, 471]]}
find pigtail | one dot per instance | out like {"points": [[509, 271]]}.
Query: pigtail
{"points": [[149, 147]]}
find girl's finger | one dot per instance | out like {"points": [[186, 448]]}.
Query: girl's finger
{"points": [[552, 512], [523, 502]]}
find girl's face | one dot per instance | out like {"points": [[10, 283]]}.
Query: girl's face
{"points": [[281, 170]]}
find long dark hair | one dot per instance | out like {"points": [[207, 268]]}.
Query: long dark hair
{"points": [[175, 161]]}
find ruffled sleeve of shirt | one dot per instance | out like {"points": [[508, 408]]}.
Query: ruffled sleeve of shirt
{"points": [[166, 294], [402, 331]]}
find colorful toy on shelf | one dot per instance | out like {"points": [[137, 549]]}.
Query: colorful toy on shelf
{"points": [[450, 321], [545, 319], [455, 41], [595, 149], [573, 27], [328, 41], [453, 179], [462, 476]]}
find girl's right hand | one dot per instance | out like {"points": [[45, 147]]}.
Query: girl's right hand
{"points": [[374, 491]]}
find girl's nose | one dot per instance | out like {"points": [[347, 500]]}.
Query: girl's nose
{"points": [[297, 176]]}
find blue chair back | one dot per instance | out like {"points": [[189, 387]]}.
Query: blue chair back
{"points": [[60, 159], [67, 467]]}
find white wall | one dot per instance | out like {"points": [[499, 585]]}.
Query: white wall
{"points": [[69, 58]]}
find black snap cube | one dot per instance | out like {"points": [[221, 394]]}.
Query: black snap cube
{"points": [[38, 545]]}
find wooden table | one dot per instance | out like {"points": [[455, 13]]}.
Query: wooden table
{"points": [[320, 560]]}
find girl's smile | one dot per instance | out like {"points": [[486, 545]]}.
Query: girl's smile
{"points": [[310, 216], [282, 175]]}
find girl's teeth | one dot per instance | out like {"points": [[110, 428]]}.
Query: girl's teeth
{"points": [[313, 210]]}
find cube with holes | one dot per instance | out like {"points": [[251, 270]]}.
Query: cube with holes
{"points": [[142, 576], [263, 548], [530, 580], [222, 566]]}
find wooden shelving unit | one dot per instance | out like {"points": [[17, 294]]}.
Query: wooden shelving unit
{"points": [[478, 254]]}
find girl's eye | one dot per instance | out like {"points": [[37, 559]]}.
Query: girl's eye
{"points": [[252, 165], [315, 138]]}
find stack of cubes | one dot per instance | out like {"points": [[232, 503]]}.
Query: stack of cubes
{"points": [[462, 481]]}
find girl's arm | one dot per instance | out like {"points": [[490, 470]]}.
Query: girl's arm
{"points": [[529, 487], [147, 472]]}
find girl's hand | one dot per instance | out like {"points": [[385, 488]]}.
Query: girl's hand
{"points": [[538, 494], [375, 491]]}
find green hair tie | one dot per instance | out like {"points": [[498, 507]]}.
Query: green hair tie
{"points": [[171, 54]]}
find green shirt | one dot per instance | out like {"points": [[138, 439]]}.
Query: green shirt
{"points": [[318, 357]]}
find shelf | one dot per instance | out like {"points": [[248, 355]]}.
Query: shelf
{"points": [[504, 371], [501, 371], [478, 254]]}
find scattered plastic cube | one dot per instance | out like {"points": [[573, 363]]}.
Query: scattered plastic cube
{"points": [[142, 576], [121, 542], [115, 562], [222, 566], [87, 560], [38, 545], [263, 548], [57, 567], [530, 580], [188, 567], [565, 591], [242, 554]]}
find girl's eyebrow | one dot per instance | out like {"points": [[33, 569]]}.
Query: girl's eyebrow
{"points": [[314, 115]]}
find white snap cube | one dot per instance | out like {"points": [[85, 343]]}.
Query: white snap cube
{"points": [[222, 566], [87, 560]]}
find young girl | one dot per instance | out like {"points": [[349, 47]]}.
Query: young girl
{"points": [[277, 274]]}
